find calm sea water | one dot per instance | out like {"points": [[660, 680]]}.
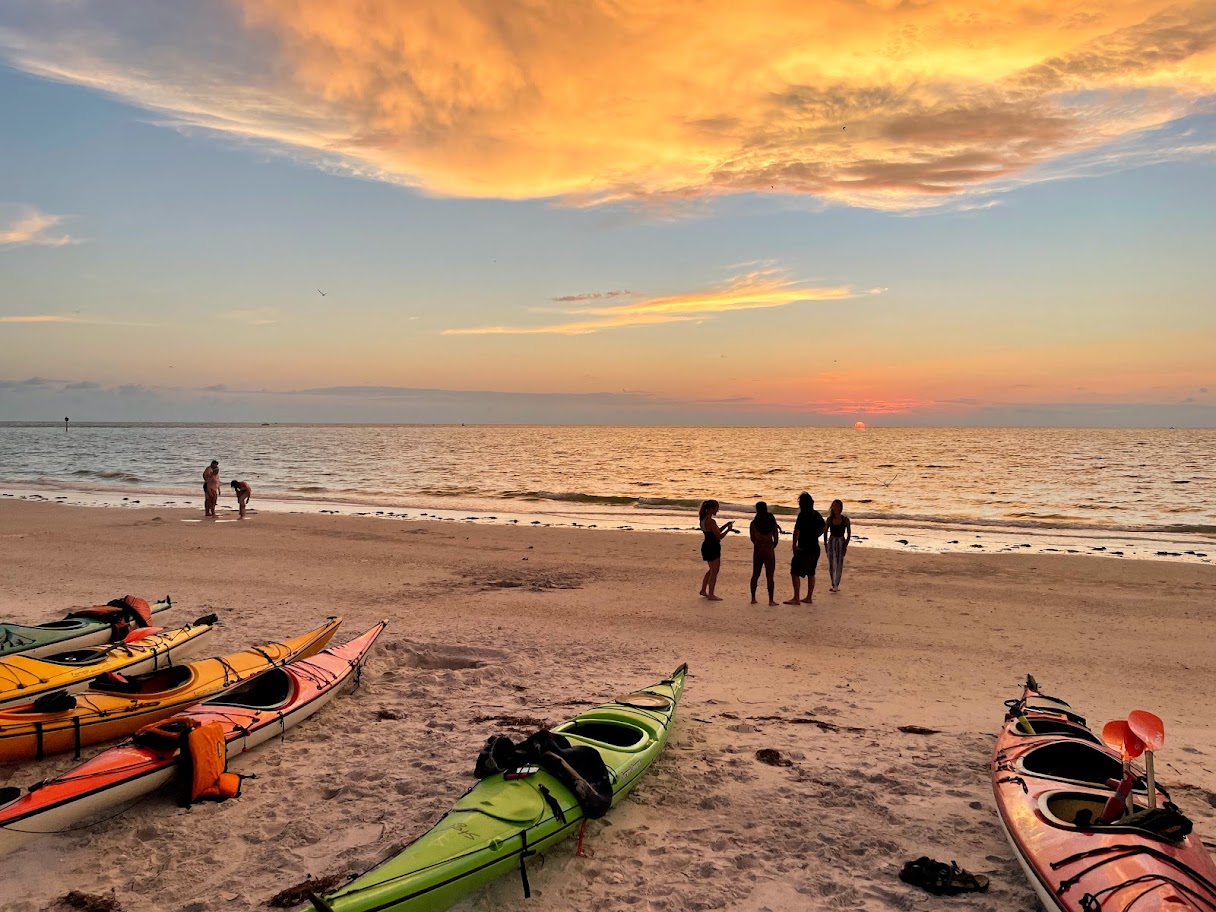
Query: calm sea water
{"points": [[1137, 490]]}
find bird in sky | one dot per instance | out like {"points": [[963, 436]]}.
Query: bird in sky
{"points": [[321, 293]]}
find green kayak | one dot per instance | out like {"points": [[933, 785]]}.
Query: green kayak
{"points": [[85, 627], [500, 821]]}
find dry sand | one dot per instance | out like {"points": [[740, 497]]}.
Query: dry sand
{"points": [[507, 621]]}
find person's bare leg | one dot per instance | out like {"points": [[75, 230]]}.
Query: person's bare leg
{"points": [[755, 577], [810, 589], [797, 591], [714, 566], [704, 583], [769, 572]]}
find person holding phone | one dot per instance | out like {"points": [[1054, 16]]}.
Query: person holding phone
{"points": [[711, 548]]}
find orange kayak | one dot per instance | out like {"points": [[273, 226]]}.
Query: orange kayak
{"points": [[259, 710], [113, 708], [1052, 778], [24, 679]]}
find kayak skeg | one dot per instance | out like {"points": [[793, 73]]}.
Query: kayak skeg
{"points": [[23, 679], [262, 708], [501, 822], [75, 631], [1051, 777], [111, 709]]}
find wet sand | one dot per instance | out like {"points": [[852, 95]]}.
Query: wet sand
{"points": [[514, 621]]}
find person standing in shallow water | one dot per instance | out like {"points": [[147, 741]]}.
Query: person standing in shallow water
{"points": [[764, 534], [836, 535], [711, 548], [211, 487], [807, 529], [243, 493]]}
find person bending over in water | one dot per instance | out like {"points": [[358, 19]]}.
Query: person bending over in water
{"points": [[211, 487], [711, 548], [764, 534], [836, 535], [243, 493], [807, 529]]}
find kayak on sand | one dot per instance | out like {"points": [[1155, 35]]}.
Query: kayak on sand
{"points": [[23, 679], [84, 627], [114, 706], [509, 816], [1053, 779], [260, 709]]}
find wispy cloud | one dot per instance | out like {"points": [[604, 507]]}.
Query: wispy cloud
{"points": [[70, 319], [896, 106], [592, 296], [761, 288], [262, 316], [26, 226]]}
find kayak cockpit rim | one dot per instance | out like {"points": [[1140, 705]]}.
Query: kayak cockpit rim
{"points": [[613, 734], [1060, 809], [1057, 727]]}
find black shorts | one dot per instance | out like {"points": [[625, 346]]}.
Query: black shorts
{"points": [[804, 560], [711, 551]]}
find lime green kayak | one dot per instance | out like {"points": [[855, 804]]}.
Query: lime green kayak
{"points": [[501, 822]]}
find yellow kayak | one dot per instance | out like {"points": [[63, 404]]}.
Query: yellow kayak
{"points": [[24, 679], [113, 706]]}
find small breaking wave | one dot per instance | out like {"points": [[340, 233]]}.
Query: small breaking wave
{"points": [[109, 475]]}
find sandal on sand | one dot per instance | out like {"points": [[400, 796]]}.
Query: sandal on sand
{"points": [[942, 879]]}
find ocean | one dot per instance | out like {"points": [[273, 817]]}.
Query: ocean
{"points": [[1111, 492]]}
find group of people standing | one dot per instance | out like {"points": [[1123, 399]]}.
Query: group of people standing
{"points": [[809, 528], [211, 490]]}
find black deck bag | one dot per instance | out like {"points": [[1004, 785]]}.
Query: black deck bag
{"points": [[578, 767]]}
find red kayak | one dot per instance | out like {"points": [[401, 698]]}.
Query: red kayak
{"points": [[261, 709], [1052, 778]]}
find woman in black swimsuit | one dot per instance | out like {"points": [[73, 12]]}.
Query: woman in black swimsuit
{"points": [[836, 537], [711, 548]]}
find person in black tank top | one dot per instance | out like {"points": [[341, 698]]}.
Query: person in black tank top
{"points": [[836, 535], [807, 529]]}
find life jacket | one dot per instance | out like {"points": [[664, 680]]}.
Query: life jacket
{"points": [[210, 779], [123, 615]]}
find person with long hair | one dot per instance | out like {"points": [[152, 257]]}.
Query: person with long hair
{"points": [[807, 529], [711, 548], [764, 533], [836, 535]]}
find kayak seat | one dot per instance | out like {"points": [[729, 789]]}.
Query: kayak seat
{"points": [[1061, 809], [1057, 727], [157, 681], [1076, 761], [515, 801], [619, 736], [268, 690]]}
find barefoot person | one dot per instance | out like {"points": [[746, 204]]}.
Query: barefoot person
{"points": [[807, 529], [243, 493], [211, 487], [711, 548], [836, 535], [764, 534]]}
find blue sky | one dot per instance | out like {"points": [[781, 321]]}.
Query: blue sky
{"points": [[154, 266]]}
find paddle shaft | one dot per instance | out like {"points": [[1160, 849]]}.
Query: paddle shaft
{"points": [[1152, 780]]}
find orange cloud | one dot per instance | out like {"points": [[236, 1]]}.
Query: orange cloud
{"points": [[865, 102], [24, 225], [759, 289]]}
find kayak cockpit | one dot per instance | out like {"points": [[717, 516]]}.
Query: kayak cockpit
{"points": [[1074, 761], [80, 657], [65, 624], [1043, 726], [141, 685], [1078, 810], [269, 690], [614, 734]]}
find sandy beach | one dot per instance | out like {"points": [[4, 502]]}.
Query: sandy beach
{"points": [[534, 623]]}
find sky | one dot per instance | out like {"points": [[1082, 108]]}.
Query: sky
{"points": [[779, 212]]}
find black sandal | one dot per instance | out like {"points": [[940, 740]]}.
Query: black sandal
{"points": [[942, 879]]}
